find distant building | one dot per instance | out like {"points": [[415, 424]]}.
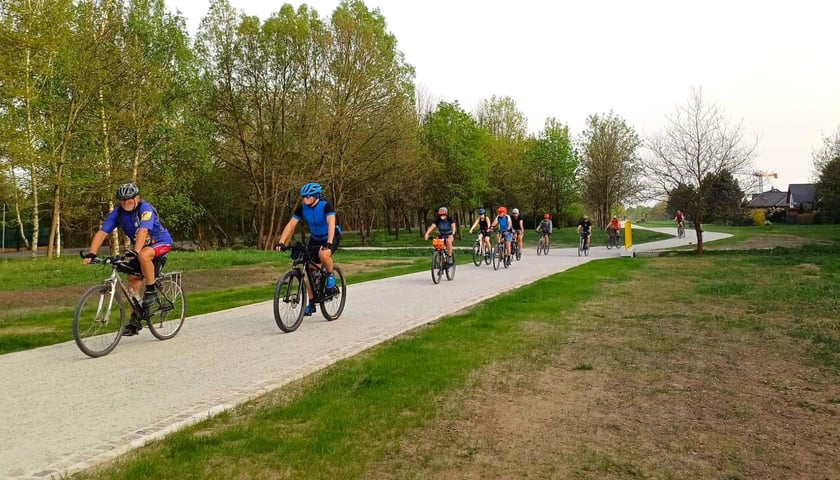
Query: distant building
{"points": [[801, 200], [773, 198]]}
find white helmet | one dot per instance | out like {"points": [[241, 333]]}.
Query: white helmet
{"points": [[515, 211]]}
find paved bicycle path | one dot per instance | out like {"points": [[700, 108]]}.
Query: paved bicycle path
{"points": [[62, 412]]}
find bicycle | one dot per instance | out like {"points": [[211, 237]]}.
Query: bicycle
{"points": [[612, 239], [543, 246], [97, 333], [440, 262], [479, 252], [583, 246], [680, 230], [500, 256], [291, 296], [515, 251]]}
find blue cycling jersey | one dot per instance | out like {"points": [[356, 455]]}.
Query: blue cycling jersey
{"points": [[316, 217], [144, 216]]}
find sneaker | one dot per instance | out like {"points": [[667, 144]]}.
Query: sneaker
{"points": [[451, 260], [309, 310], [149, 298], [130, 330], [330, 281]]}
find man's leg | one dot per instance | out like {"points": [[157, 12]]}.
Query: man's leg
{"points": [[147, 266]]}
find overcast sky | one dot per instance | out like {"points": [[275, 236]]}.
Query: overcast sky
{"points": [[771, 65]]}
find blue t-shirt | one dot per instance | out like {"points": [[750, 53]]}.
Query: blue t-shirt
{"points": [[144, 216], [505, 223], [316, 218]]}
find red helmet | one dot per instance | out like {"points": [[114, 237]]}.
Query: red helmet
{"points": [[443, 211], [502, 210], [546, 216]]}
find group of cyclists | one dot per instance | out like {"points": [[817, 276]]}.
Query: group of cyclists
{"points": [[151, 240]]}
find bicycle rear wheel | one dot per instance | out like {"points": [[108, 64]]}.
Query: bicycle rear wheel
{"points": [[546, 247], [168, 319], [96, 327], [334, 298], [289, 301]]}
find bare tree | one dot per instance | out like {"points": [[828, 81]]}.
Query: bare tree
{"points": [[697, 141]]}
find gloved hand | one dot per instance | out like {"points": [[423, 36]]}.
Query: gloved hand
{"points": [[280, 246]]}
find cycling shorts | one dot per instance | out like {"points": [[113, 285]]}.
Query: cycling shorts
{"points": [[507, 235], [161, 249]]}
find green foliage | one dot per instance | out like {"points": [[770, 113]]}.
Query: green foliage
{"points": [[553, 163], [610, 172], [828, 192]]}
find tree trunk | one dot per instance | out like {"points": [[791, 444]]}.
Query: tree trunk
{"points": [[698, 228]]}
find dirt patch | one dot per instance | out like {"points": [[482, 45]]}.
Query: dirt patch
{"points": [[770, 241], [650, 390]]}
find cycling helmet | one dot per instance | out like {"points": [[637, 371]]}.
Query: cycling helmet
{"points": [[311, 189], [546, 216], [481, 211], [515, 211], [443, 211], [127, 191], [502, 210]]}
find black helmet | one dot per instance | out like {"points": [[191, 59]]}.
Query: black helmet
{"points": [[127, 191]]}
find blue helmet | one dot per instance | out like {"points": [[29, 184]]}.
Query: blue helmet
{"points": [[481, 211], [311, 189]]}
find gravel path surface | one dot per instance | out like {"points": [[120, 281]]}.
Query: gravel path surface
{"points": [[63, 412]]}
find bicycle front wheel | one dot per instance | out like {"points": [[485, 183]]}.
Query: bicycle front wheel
{"points": [[540, 246], [580, 248], [333, 303], [98, 321], [450, 269], [167, 321], [289, 301], [478, 255], [437, 266], [498, 253]]}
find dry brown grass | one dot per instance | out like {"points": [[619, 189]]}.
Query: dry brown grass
{"points": [[671, 393]]}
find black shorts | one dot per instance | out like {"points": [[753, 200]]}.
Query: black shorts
{"points": [[314, 247]]}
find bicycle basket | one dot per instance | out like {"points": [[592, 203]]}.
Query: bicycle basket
{"points": [[438, 243]]}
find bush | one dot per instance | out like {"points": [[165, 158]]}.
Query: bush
{"points": [[758, 217]]}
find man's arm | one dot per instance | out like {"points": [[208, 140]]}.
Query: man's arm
{"points": [[330, 229], [140, 239], [290, 228]]}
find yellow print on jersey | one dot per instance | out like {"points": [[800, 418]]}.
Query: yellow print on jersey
{"points": [[147, 215]]}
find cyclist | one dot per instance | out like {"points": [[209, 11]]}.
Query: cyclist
{"points": [[324, 234], [446, 230], [546, 228], [483, 224], [613, 228], [505, 228], [680, 219], [585, 228], [518, 227], [141, 224]]}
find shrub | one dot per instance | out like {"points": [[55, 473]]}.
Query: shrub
{"points": [[758, 217]]}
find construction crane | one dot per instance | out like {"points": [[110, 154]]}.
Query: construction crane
{"points": [[761, 176]]}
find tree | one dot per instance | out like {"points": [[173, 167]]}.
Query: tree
{"points": [[828, 191], [830, 150], [724, 197], [553, 163], [506, 127], [697, 141], [609, 165]]}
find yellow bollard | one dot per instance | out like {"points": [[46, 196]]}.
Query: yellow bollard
{"points": [[628, 235]]}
